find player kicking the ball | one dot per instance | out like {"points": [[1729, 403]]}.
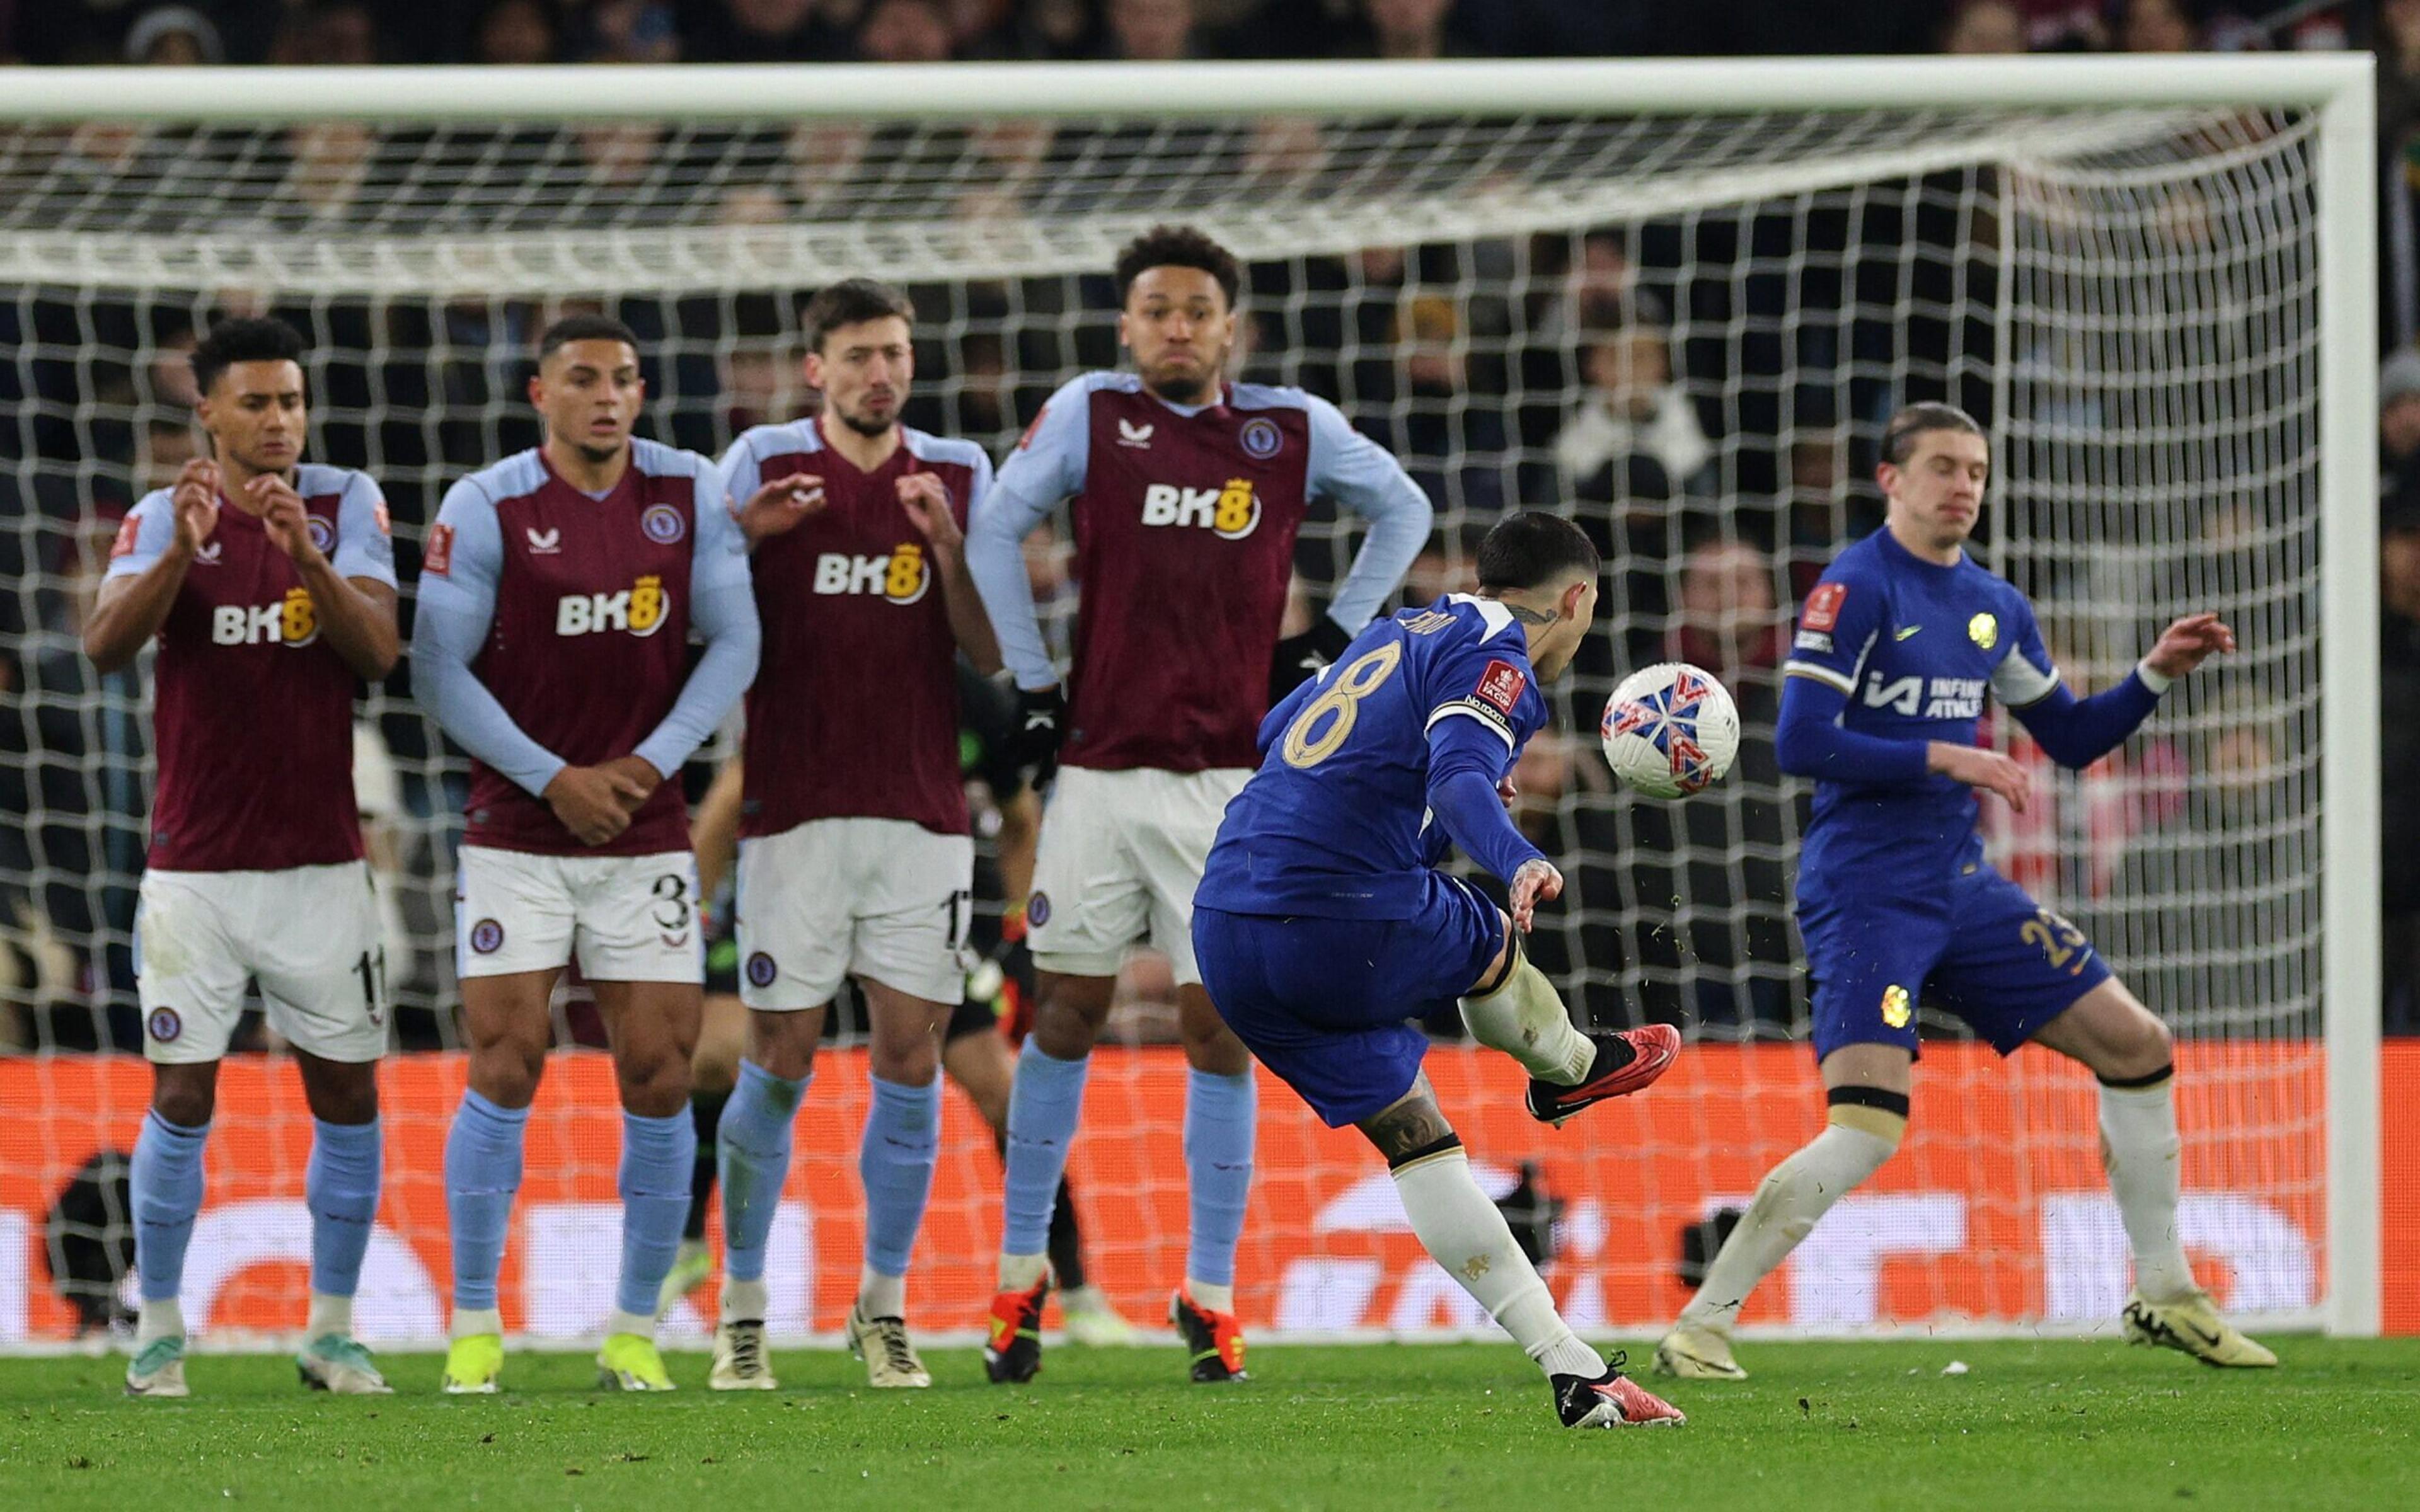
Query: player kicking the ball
{"points": [[1896, 647], [557, 595], [269, 583], [854, 853], [1188, 491], [1323, 925]]}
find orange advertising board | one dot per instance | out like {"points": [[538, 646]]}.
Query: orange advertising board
{"points": [[1994, 1211]]}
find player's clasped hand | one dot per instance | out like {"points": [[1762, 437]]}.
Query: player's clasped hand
{"points": [[596, 803], [196, 502], [779, 505], [1985, 769], [2184, 645], [1537, 882], [282, 516], [927, 503]]}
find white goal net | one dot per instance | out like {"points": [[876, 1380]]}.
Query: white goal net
{"points": [[1682, 326]]}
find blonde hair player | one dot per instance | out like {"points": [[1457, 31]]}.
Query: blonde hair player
{"points": [[1898, 645]]}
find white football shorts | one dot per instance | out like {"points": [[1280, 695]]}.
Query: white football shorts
{"points": [[311, 936], [881, 900], [1120, 854], [627, 917]]}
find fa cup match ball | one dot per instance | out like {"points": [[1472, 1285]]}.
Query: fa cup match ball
{"points": [[1670, 730]]}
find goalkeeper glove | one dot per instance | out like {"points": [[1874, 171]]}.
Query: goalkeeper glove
{"points": [[1299, 657]]}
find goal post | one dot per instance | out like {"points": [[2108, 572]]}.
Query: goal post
{"points": [[2155, 275]]}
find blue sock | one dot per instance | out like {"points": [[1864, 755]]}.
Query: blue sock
{"points": [[483, 1172], [1218, 1131], [340, 1186], [1043, 1109], [657, 1154], [165, 1186], [903, 1134], [754, 1150]]}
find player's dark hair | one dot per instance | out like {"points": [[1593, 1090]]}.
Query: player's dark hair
{"points": [[1531, 549], [573, 327], [252, 339], [1900, 435], [852, 301], [1178, 246]]}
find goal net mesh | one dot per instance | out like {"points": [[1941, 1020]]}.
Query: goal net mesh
{"points": [[1685, 331]]}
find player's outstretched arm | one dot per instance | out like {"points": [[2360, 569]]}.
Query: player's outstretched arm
{"points": [[158, 542], [2075, 733], [353, 599], [723, 611]]}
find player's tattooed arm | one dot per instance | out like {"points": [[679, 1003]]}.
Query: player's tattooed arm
{"points": [[1409, 1125], [158, 547]]}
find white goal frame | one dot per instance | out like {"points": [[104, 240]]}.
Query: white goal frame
{"points": [[2338, 89]]}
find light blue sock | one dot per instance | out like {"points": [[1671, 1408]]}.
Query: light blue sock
{"points": [[903, 1134], [753, 1148], [657, 1154], [165, 1186], [1218, 1131], [483, 1172], [1043, 1110], [340, 1186]]}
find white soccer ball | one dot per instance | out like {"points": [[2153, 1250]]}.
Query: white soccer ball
{"points": [[1670, 730]]}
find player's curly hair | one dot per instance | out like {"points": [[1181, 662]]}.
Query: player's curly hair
{"points": [[1533, 548], [573, 327], [852, 301], [1178, 246], [1912, 420], [251, 339]]}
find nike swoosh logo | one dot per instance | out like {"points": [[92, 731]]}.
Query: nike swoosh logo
{"points": [[1908, 631]]}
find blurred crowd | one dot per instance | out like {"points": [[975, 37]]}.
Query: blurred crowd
{"points": [[936, 31], [1635, 375]]}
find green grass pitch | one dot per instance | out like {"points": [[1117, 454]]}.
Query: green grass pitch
{"points": [[2068, 1425]]}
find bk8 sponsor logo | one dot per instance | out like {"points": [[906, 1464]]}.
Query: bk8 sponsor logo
{"points": [[902, 577], [1230, 512], [639, 608], [293, 621]]}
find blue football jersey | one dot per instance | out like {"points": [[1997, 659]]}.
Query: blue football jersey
{"points": [[1914, 646], [1335, 824]]}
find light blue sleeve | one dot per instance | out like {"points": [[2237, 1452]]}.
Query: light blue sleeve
{"points": [[153, 521], [723, 611], [979, 482], [1047, 467], [719, 550], [452, 613], [363, 548], [1365, 478], [741, 472]]}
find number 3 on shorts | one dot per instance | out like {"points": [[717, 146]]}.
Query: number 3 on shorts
{"points": [[1340, 707]]}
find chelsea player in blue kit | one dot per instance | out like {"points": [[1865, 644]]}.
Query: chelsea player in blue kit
{"points": [[1322, 924], [1896, 647]]}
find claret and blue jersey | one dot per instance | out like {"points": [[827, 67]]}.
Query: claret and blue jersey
{"points": [[1896, 903]]}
